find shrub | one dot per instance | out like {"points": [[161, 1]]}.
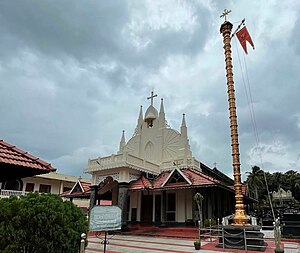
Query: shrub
{"points": [[40, 224]]}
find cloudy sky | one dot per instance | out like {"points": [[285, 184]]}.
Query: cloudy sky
{"points": [[73, 75]]}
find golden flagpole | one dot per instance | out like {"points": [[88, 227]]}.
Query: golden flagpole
{"points": [[240, 217]]}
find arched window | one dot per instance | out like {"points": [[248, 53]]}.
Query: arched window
{"points": [[15, 185], [149, 151]]}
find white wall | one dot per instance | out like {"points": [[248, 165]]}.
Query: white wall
{"points": [[56, 185]]}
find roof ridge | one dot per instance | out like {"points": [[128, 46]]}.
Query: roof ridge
{"points": [[202, 174]]}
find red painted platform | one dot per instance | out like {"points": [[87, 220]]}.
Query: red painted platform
{"points": [[177, 232]]}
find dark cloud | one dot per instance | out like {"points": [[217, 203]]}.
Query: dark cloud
{"points": [[73, 75], [59, 28]]}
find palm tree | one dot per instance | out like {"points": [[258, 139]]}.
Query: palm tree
{"points": [[254, 180]]}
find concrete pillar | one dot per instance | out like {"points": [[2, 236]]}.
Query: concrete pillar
{"points": [[122, 203], [163, 208], [93, 197]]}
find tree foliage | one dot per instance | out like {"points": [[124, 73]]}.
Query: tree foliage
{"points": [[289, 180], [40, 224]]}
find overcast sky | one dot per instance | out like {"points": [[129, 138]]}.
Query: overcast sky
{"points": [[73, 75]]}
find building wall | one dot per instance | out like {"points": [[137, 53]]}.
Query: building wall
{"points": [[180, 205], [189, 203], [133, 202], [57, 186], [184, 204]]}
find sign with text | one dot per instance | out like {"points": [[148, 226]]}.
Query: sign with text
{"points": [[105, 218]]}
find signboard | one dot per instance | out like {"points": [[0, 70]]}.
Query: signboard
{"points": [[105, 218]]}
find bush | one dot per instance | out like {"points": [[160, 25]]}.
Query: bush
{"points": [[40, 224]]}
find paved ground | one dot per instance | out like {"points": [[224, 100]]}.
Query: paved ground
{"points": [[146, 244]]}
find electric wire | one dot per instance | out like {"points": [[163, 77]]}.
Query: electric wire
{"points": [[247, 88]]}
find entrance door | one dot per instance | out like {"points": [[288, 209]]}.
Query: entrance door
{"points": [[147, 206], [157, 208], [171, 207]]}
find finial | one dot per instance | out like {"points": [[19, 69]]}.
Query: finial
{"points": [[225, 13], [151, 97]]}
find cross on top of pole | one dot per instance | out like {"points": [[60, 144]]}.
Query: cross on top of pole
{"points": [[151, 97], [225, 13]]}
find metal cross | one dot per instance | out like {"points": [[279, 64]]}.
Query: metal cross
{"points": [[225, 13], [151, 97]]}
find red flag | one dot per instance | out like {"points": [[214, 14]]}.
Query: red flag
{"points": [[244, 36]]}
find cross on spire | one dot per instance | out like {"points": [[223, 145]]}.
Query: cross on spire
{"points": [[151, 97], [225, 13]]}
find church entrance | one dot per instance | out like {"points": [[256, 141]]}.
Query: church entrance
{"points": [[147, 204], [157, 208], [108, 192], [171, 207]]}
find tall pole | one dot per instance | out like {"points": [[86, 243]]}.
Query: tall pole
{"points": [[240, 218]]}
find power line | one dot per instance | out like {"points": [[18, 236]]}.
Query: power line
{"points": [[247, 88]]}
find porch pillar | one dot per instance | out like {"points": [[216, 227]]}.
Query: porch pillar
{"points": [[122, 203], [93, 197], [163, 208]]}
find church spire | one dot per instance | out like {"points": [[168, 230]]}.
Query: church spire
{"points": [[140, 122], [183, 128], [122, 142], [162, 116]]}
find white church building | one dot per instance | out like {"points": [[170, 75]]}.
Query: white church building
{"points": [[154, 176]]}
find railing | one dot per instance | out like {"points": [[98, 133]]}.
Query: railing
{"points": [[8, 193], [242, 240], [120, 159]]}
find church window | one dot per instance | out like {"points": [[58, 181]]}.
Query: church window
{"points": [[149, 151], [150, 123], [176, 178], [77, 188]]}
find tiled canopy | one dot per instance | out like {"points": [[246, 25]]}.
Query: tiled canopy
{"points": [[16, 163]]}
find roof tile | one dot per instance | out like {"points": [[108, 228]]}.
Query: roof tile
{"points": [[12, 155]]}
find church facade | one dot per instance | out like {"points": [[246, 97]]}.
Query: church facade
{"points": [[154, 176]]}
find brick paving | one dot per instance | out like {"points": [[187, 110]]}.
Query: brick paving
{"points": [[149, 244]]}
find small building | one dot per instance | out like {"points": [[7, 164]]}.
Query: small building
{"points": [[21, 172], [282, 198], [79, 194]]}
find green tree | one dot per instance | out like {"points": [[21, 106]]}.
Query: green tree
{"points": [[40, 224], [255, 180]]}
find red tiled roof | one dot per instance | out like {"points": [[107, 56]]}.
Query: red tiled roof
{"points": [[11, 155], [161, 179], [196, 178], [85, 190], [85, 186], [140, 184]]}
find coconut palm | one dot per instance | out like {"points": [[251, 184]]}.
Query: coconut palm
{"points": [[254, 180]]}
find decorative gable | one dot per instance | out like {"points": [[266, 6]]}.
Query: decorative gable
{"points": [[176, 177], [76, 188]]}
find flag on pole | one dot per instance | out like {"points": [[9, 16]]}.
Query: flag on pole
{"points": [[244, 36]]}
